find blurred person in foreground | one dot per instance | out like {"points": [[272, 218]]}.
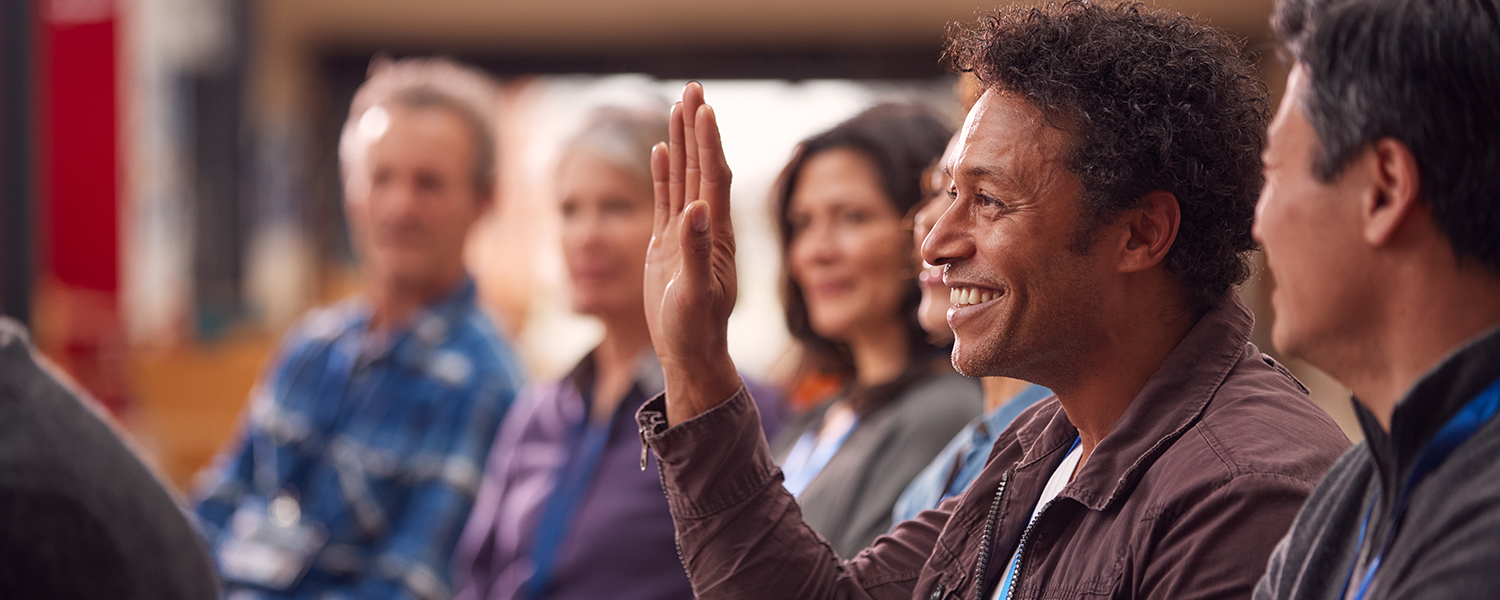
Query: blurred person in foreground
{"points": [[80, 516], [956, 466], [1105, 189], [567, 509], [1381, 223], [850, 295], [364, 444]]}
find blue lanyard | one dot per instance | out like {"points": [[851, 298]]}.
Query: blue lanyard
{"points": [[808, 457], [1009, 578], [1454, 433], [562, 506], [574, 480]]}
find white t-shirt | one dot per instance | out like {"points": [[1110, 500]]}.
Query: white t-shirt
{"points": [[1055, 485]]}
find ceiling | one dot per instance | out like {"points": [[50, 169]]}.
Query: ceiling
{"points": [[571, 26]]}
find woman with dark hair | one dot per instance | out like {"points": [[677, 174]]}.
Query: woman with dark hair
{"points": [[850, 293]]}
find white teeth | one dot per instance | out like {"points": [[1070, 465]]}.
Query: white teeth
{"points": [[970, 296]]}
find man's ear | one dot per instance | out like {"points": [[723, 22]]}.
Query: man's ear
{"points": [[1397, 194], [1151, 228]]}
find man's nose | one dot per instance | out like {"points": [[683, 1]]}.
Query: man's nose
{"points": [[950, 239], [401, 203]]}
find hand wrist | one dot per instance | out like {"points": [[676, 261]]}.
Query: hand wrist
{"points": [[698, 384]]}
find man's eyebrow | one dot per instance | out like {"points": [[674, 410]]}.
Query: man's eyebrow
{"points": [[976, 171]]}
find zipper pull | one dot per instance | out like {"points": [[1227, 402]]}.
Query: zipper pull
{"points": [[652, 420], [643, 448]]}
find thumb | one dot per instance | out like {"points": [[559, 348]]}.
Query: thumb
{"points": [[697, 244]]}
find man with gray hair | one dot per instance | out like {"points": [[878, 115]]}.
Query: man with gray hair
{"points": [[364, 442]]}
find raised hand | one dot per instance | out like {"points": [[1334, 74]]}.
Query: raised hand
{"points": [[690, 275]]}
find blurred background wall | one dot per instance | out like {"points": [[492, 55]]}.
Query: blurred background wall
{"points": [[169, 184]]}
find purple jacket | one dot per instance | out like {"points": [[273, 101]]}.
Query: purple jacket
{"points": [[619, 543], [1183, 500]]}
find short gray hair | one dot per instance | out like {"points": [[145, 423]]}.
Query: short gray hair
{"points": [[621, 137], [429, 83]]}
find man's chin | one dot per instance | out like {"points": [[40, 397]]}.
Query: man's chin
{"points": [[969, 365], [415, 275], [1285, 340]]}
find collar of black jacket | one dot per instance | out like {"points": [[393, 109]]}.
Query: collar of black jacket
{"points": [[1172, 400], [1423, 410]]}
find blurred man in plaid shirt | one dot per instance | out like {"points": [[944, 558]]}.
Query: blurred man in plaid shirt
{"points": [[365, 441]]}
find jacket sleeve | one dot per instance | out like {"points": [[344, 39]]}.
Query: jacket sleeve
{"points": [[232, 479], [1191, 559], [232, 475], [741, 534]]}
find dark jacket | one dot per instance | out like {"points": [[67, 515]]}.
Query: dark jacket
{"points": [[1183, 499], [1448, 546], [80, 516], [850, 501]]}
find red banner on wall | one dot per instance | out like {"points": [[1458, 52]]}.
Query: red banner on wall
{"points": [[77, 311]]}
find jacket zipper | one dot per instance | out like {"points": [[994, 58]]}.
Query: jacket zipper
{"points": [[986, 542], [654, 419], [1021, 550]]}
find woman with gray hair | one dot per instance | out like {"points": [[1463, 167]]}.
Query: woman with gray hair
{"points": [[566, 509]]}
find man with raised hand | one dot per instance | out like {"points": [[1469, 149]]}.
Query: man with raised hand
{"points": [[1381, 222], [1104, 192]]}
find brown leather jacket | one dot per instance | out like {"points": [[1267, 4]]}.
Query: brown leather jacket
{"points": [[1184, 499]]}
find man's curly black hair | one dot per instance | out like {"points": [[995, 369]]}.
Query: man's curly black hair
{"points": [[1155, 102]]}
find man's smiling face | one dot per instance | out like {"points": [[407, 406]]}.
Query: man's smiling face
{"points": [[1024, 296]]}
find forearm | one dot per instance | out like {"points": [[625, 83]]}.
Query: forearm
{"points": [[697, 384], [741, 534]]}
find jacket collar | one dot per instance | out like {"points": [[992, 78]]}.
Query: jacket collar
{"points": [[1430, 402], [647, 381], [1172, 401], [429, 328]]}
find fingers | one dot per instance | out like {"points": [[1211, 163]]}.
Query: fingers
{"points": [[676, 157], [661, 173], [697, 239], [714, 169], [692, 98]]}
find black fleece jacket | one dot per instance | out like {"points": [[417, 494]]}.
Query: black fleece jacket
{"points": [[1448, 544]]}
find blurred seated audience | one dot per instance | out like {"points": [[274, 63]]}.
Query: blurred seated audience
{"points": [[83, 517], [567, 509], [962, 459], [850, 294], [363, 446]]}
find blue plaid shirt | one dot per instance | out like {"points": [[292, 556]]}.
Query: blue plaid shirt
{"points": [[381, 438]]}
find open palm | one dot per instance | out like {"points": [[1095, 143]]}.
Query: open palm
{"points": [[690, 283]]}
